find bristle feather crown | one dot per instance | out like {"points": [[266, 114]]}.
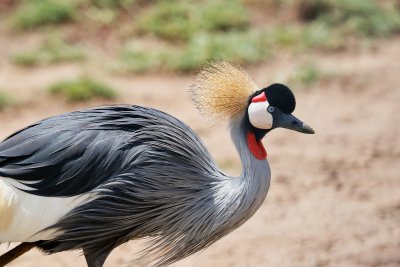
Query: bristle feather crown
{"points": [[221, 90]]}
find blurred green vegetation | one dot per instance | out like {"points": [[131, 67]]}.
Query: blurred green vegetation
{"points": [[183, 35], [236, 47], [137, 36], [361, 17], [36, 13], [306, 75], [111, 4], [182, 20], [83, 89], [51, 50], [5, 100]]}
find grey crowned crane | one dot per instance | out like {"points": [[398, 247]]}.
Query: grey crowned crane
{"points": [[97, 178]]}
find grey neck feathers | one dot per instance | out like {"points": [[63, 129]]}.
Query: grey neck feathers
{"points": [[238, 198]]}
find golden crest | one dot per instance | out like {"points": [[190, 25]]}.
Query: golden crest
{"points": [[222, 90]]}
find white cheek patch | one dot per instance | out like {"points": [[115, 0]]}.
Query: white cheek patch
{"points": [[259, 115]]}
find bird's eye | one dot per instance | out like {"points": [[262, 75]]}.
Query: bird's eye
{"points": [[271, 109]]}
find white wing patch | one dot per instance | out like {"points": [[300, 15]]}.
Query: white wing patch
{"points": [[23, 215]]}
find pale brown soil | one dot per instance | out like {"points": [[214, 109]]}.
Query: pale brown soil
{"points": [[334, 198]]}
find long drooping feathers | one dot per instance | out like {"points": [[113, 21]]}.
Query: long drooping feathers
{"points": [[221, 90], [57, 154]]}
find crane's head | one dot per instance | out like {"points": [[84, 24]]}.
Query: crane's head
{"points": [[222, 90], [272, 107]]}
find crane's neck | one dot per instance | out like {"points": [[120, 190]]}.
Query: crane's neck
{"points": [[238, 198], [255, 166]]}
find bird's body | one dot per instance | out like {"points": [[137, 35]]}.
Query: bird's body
{"points": [[147, 171], [96, 178]]}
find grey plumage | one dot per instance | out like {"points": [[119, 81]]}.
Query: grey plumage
{"points": [[97, 178], [148, 174]]}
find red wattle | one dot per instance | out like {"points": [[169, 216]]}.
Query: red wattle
{"points": [[256, 147]]}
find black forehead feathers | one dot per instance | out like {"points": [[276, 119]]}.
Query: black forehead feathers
{"points": [[280, 96]]}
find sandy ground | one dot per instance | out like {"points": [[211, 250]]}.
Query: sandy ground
{"points": [[334, 198]]}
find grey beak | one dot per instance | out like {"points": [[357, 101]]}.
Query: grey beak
{"points": [[290, 122], [305, 128]]}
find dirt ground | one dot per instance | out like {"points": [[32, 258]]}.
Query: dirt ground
{"points": [[334, 198]]}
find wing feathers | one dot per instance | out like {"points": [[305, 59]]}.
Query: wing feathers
{"points": [[73, 153]]}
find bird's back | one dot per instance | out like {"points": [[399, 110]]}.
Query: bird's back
{"points": [[64, 161], [73, 153]]}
